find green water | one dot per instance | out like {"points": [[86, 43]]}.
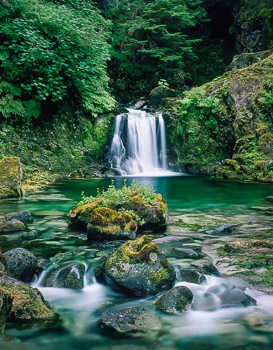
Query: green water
{"points": [[79, 310]]}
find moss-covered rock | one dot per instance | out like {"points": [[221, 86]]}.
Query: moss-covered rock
{"points": [[5, 309], [139, 268], [9, 225], [106, 223], [28, 303], [11, 175], [67, 276], [177, 300]]}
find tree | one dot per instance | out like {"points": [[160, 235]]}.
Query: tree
{"points": [[150, 41]]}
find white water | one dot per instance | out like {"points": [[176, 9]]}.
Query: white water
{"points": [[138, 146]]}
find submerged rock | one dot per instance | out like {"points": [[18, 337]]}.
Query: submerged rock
{"points": [[106, 223], [224, 229], [129, 320], [205, 266], [184, 253], [9, 225], [68, 276], [23, 216], [27, 304], [177, 300], [11, 175], [172, 239], [259, 321], [138, 268], [192, 276], [21, 263], [30, 234]]}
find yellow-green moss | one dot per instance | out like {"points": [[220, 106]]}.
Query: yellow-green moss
{"points": [[10, 177]]}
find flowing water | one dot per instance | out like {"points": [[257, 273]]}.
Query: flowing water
{"points": [[138, 146], [79, 310]]}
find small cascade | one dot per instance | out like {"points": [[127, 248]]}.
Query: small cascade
{"points": [[138, 146]]}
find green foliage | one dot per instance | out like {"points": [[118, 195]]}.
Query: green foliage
{"points": [[120, 198], [150, 42], [49, 52]]}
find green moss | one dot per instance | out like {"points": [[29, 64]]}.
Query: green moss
{"points": [[10, 177], [162, 277]]}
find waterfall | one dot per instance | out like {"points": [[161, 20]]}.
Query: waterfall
{"points": [[138, 146]]}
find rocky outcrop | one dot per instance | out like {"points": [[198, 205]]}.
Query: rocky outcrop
{"points": [[129, 320], [176, 301], [229, 121], [67, 276], [11, 175], [138, 268]]}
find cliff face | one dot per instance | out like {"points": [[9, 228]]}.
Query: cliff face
{"points": [[225, 126]]}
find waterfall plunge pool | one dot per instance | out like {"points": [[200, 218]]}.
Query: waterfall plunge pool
{"points": [[223, 328]]}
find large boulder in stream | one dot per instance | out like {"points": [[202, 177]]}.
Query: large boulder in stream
{"points": [[27, 303], [67, 276], [129, 320], [117, 219], [11, 175], [138, 268], [21, 263]]}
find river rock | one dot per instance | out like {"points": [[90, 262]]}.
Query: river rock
{"points": [[184, 253], [106, 223], [224, 229], [23, 216], [172, 239], [28, 235], [138, 268], [21, 263], [129, 320], [9, 225], [5, 309], [11, 175], [28, 303], [192, 276], [68, 276], [232, 296], [205, 266], [177, 300], [259, 321]]}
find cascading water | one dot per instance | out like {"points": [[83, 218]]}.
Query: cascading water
{"points": [[138, 146]]}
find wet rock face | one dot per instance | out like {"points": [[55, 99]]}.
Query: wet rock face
{"points": [[205, 266], [23, 216], [9, 225], [11, 175], [27, 303], [68, 276], [138, 268], [129, 320], [177, 300], [21, 263]]}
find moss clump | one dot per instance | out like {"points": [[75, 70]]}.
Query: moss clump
{"points": [[162, 277], [10, 177]]}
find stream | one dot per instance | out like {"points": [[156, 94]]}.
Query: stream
{"points": [[202, 327]]}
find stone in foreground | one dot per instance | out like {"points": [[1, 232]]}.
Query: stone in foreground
{"points": [[129, 320], [138, 268], [21, 263], [176, 301], [11, 175], [28, 303]]}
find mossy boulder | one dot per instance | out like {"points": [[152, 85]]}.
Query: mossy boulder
{"points": [[9, 225], [28, 303], [5, 309], [138, 268], [129, 320], [176, 301], [21, 264], [79, 216], [67, 276], [11, 175], [106, 223]]}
